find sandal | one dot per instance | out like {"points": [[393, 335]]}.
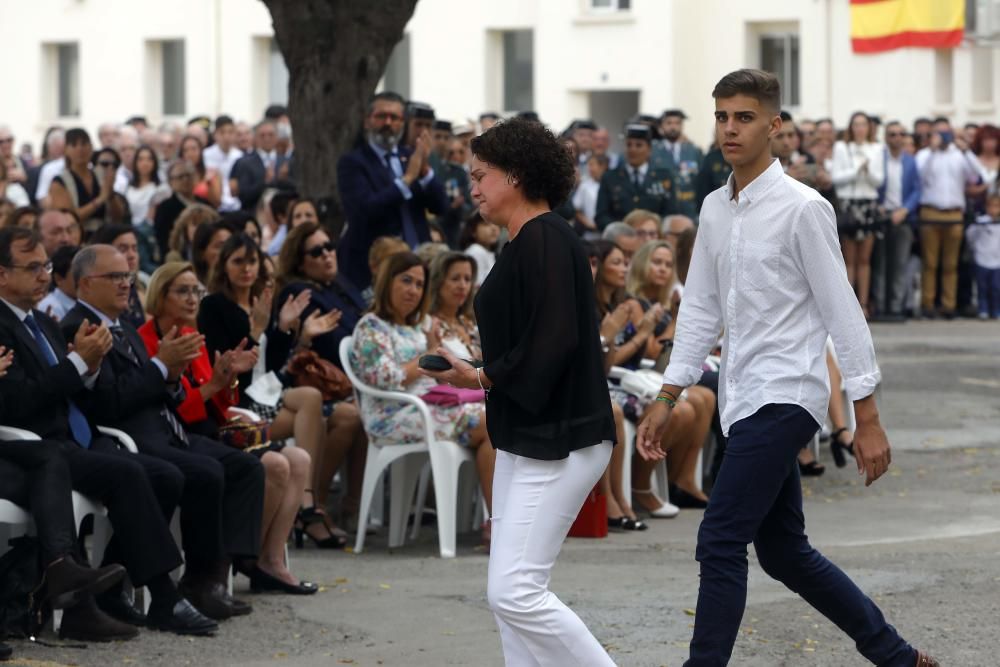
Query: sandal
{"points": [[837, 448], [311, 516]]}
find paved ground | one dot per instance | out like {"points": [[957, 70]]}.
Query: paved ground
{"points": [[924, 542]]}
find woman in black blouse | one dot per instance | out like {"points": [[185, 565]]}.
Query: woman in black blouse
{"points": [[547, 411]]}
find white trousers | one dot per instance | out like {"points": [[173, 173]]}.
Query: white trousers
{"points": [[534, 504]]}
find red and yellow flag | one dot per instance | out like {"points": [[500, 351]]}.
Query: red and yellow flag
{"points": [[883, 25]]}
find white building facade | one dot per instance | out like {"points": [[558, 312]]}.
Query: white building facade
{"points": [[83, 62]]}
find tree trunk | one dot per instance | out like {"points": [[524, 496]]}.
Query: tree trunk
{"points": [[336, 52]]}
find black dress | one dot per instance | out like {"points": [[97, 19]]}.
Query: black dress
{"points": [[541, 346]]}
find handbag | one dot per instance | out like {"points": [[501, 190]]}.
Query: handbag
{"points": [[446, 395], [245, 435], [308, 369]]}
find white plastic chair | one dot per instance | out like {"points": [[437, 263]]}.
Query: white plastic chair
{"points": [[406, 463]]}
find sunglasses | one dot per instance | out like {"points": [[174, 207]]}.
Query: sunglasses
{"points": [[106, 163], [317, 251], [895, 134]]}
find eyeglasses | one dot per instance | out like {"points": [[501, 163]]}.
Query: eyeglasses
{"points": [[107, 163], [188, 292], [35, 268], [383, 116], [7, 140], [895, 134], [184, 174], [116, 277], [317, 251]]}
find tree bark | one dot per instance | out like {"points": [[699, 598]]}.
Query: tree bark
{"points": [[336, 52]]}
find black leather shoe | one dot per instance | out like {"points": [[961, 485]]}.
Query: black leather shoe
{"points": [[119, 606], [68, 583], [181, 619], [6, 652], [205, 598], [261, 582], [86, 623], [685, 500]]}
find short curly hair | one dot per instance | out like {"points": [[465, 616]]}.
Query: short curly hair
{"points": [[530, 154]]}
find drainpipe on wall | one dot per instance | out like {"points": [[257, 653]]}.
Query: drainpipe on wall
{"points": [[829, 58]]}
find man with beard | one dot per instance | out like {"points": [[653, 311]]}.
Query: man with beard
{"points": [[683, 157], [385, 188]]}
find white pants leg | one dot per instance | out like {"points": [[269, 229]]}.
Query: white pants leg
{"points": [[534, 504]]}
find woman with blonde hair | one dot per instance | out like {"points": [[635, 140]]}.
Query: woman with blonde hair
{"points": [[651, 280], [645, 223]]}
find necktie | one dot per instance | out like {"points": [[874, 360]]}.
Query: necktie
{"points": [[636, 180], [175, 425], [77, 422], [409, 229]]}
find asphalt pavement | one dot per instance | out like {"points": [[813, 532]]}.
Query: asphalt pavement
{"points": [[924, 542]]}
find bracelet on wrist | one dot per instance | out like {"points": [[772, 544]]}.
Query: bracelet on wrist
{"points": [[669, 401]]}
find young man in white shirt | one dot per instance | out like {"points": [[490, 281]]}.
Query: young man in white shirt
{"points": [[767, 268], [221, 156]]}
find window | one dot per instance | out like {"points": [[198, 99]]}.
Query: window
{"points": [[172, 78], [518, 70], [779, 54], [68, 74], [397, 69], [277, 75], [610, 5]]}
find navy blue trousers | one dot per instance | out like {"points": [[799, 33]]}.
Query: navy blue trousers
{"points": [[757, 498]]}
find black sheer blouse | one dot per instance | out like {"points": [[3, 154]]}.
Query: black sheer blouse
{"points": [[541, 346]]}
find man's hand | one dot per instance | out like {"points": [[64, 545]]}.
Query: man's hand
{"points": [[872, 451], [176, 351], [6, 359], [415, 165], [898, 216], [92, 342], [649, 437]]}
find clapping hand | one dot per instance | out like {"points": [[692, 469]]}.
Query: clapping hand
{"points": [[6, 359], [177, 351], [92, 342], [649, 320], [615, 321], [260, 312], [243, 359], [292, 309], [317, 324]]}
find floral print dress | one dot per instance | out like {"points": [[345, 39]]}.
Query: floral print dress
{"points": [[379, 351]]}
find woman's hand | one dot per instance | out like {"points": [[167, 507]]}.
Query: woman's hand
{"points": [[291, 310], [615, 321], [462, 374], [243, 360], [433, 334], [317, 324], [223, 374], [6, 359], [647, 325], [260, 312]]}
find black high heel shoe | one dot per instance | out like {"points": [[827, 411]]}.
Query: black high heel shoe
{"points": [[837, 448], [310, 516], [811, 469], [262, 582]]}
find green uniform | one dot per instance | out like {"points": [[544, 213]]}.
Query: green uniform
{"points": [[456, 181], [713, 174], [686, 171], [618, 195]]}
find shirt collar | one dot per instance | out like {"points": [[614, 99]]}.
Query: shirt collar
{"points": [[104, 318], [381, 152], [757, 186]]}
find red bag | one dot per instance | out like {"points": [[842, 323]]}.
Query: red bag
{"points": [[592, 521]]}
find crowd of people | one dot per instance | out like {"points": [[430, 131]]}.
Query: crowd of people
{"points": [[164, 279]]}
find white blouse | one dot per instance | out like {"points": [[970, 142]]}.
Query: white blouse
{"points": [[848, 178]]}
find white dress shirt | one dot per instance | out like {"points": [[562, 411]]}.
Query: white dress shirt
{"points": [[214, 158], [768, 269], [46, 174], [944, 174], [848, 179], [56, 304], [893, 181]]}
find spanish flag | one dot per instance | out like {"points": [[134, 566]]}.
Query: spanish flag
{"points": [[883, 25]]}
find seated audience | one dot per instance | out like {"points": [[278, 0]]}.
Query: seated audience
{"points": [[24, 216], [124, 239], [387, 345], [182, 235], [452, 288], [380, 250], [645, 223], [206, 246], [222, 492], [238, 311], [145, 191], [84, 190], [180, 177]]}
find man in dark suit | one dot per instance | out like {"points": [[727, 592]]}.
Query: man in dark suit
{"points": [[46, 391], [636, 183], [223, 496], [260, 168], [385, 188]]}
